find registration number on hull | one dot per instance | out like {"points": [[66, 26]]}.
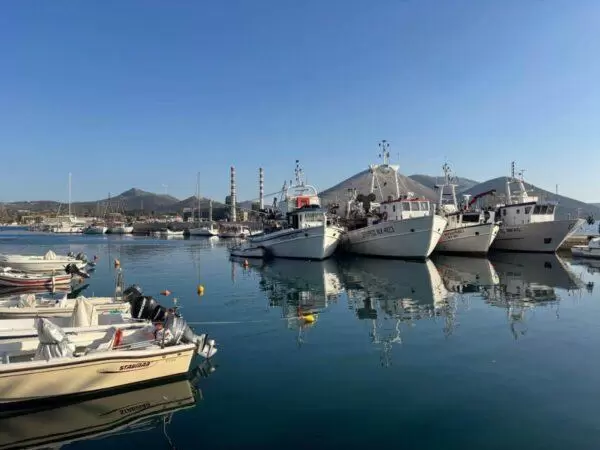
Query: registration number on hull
{"points": [[377, 232]]}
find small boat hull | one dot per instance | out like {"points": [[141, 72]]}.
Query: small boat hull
{"points": [[473, 239], [102, 304], [583, 251], [248, 252], [33, 281]]}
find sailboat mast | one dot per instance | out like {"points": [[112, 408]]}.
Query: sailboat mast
{"points": [[69, 195], [198, 196]]}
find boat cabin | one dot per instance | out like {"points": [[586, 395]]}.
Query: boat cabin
{"points": [[405, 207], [524, 213], [307, 217]]}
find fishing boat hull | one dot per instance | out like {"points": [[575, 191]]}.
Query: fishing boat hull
{"points": [[35, 380], [413, 238], [473, 239], [543, 237], [314, 243]]}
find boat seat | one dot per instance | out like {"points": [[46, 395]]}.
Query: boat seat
{"points": [[103, 344]]}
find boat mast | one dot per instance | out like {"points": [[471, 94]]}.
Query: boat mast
{"points": [[448, 183], [69, 195], [198, 196]]}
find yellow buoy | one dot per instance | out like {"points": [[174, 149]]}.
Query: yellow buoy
{"points": [[309, 318], [200, 289]]}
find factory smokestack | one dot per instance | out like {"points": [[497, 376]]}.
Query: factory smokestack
{"points": [[233, 202], [261, 190]]}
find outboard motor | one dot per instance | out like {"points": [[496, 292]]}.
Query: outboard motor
{"points": [[177, 330], [81, 256], [71, 255], [132, 292], [72, 269]]}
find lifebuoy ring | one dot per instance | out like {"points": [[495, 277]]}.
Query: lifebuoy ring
{"points": [[384, 215]]}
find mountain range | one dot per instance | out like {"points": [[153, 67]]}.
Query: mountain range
{"points": [[137, 201]]}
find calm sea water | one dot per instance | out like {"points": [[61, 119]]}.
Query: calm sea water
{"points": [[453, 353]]}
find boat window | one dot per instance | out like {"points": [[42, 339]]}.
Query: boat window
{"points": [[295, 221], [406, 206], [504, 212], [536, 209], [424, 206], [527, 209], [393, 208], [518, 211], [543, 209], [414, 206], [550, 209], [471, 218]]}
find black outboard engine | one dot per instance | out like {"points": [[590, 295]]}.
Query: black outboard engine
{"points": [[72, 269], [132, 292]]}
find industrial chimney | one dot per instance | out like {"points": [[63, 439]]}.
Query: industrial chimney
{"points": [[233, 202], [261, 190]]}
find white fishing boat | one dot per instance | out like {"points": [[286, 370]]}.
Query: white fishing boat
{"points": [[55, 364], [309, 233], [209, 229], [528, 224], [47, 263], [16, 278], [592, 250], [403, 226], [468, 230], [233, 230]]}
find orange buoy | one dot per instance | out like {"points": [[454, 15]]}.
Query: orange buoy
{"points": [[166, 292], [117, 262]]}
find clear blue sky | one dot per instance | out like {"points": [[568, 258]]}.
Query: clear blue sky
{"points": [[145, 93]]}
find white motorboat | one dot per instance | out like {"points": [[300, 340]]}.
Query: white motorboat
{"points": [[55, 364], [468, 230], [309, 233], [120, 228], [247, 251], [85, 317], [233, 230], [16, 278], [592, 250], [400, 227], [529, 225], [28, 305], [210, 229], [169, 232], [48, 263], [95, 229]]}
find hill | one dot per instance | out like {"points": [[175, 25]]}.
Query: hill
{"points": [[362, 183], [427, 180], [567, 207]]}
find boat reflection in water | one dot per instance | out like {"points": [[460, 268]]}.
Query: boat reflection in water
{"points": [[529, 280], [466, 275], [101, 417], [406, 291], [302, 289]]}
